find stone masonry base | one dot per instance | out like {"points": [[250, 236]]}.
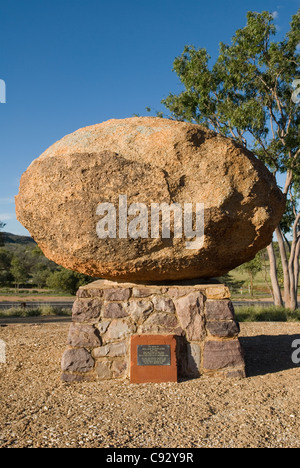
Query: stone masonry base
{"points": [[106, 314]]}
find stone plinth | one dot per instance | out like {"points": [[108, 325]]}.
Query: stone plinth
{"points": [[107, 314]]}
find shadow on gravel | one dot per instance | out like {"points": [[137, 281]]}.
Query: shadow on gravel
{"points": [[269, 354]]}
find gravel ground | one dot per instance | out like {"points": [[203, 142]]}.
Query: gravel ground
{"points": [[37, 410]]}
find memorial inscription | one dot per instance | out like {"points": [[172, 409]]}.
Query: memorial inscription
{"points": [[154, 355]]}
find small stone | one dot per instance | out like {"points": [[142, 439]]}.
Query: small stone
{"points": [[223, 329], [86, 310], [219, 310], [117, 294], [84, 336], [77, 360], [103, 370], [162, 304], [114, 310]]}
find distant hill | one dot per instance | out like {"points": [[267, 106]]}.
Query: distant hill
{"points": [[12, 240]]}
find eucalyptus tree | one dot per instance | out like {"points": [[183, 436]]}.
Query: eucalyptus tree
{"points": [[249, 94]]}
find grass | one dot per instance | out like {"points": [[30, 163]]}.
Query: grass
{"points": [[266, 314], [35, 312], [32, 292]]}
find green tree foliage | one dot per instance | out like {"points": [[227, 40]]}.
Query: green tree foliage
{"points": [[19, 271], [252, 268], [6, 278], [2, 225], [247, 91], [247, 95], [66, 280], [25, 265]]}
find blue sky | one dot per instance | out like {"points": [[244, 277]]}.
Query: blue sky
{"points": [[72, 63]]}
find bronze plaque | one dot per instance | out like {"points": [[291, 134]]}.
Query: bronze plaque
{"points": [[154, 355], [153, 359]]}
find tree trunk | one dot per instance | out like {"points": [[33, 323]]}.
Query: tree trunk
{"points": [[277, 296], [251, 284], [294, 259], [296, 269], [290, 266], [288, 299]]}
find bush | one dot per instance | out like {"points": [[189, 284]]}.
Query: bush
{"points": [[19, 312], [59, 311], [36, 312], [67, 281]]}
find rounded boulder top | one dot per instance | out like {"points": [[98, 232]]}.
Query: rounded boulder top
{"points": [[146, 199]]}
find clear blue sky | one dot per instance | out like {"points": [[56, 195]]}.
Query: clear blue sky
{"points": [[73, 63]]}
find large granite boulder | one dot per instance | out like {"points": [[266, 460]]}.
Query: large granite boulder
{"points": [[150, 161]]}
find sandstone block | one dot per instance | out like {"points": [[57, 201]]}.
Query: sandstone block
{"points": [[162, 304], [160, 323], [103, 326], [222, 354], [119, 368], [223, 329], [190, 313], [144, 292], [84, 336], [86, 310], [218, 293], [114, 310], [111, 350], [139, 310], [103, 370], [118, 329], [219, 310], [174, 293], [193, 359], [117, 294], [83, 293], [77, 360]]}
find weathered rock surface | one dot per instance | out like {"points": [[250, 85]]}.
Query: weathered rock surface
{"points": [[151, 160]]}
